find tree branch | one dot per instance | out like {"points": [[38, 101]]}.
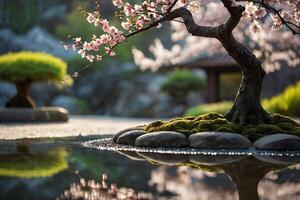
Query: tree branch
{"points": [[188, 20], [290, 25], [191, 26], [235, 16]]}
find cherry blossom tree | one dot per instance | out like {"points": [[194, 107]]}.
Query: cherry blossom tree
{"points": [[250, 31]]}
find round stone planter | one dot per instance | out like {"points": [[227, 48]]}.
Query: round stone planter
{"points": [[42, 114]]}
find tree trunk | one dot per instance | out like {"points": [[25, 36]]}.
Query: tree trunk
{"points": [[22, 98], [246, 175], [247, 108]]}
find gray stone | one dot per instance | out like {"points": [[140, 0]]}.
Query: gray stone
{"points": [[117, 135], [130, 137], [162, 139], [278, 142], [167, 159], [218, 140], [210, 160], [43, 114]]}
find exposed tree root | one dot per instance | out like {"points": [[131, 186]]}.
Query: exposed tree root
{"points": [[243, 114]]}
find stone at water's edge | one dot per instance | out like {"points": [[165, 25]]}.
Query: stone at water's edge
{"points": [[214, 160], [218, 140], [162, 139], [278, 142], [117, 135], [130, 137], [33, 115], [168, 159]]}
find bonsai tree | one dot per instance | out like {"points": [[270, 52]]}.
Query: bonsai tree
{"points": [[223, 22], [181, 82], [25, 68]]}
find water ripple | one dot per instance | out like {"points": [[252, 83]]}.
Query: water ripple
{"points": [[108, 144]]}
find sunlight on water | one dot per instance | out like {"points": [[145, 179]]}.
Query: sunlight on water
{"points": [[108, 144]]}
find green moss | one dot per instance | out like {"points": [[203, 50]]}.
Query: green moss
{"points": [[277, 118], [217, 122]]}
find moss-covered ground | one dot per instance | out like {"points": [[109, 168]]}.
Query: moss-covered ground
{"points": [[217, 122]]}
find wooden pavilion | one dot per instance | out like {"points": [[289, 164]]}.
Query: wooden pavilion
{"points": [[213, 66]]}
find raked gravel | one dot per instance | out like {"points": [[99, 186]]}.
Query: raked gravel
{"points": [[77, 125]]}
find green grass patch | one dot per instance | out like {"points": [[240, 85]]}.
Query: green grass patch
{"points": [[286, 103]]}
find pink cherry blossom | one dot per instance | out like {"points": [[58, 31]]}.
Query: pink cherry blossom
{"points": [[78, 39], [90, 57], [128, 10], [253, 30], [91, 18], [126, 25], [117, 3]]}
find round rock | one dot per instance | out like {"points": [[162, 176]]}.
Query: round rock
{"points": [[218, 140], [129, 137], [117, 135], [210, 160], [278, 142], [162, 139]]}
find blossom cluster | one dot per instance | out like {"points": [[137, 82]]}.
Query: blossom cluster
{"points": [[258, 31], [92, 50], [254, 12], [287, 10], [136, 16]]}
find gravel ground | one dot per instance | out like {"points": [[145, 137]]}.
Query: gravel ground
{"points": [[78, 125]]}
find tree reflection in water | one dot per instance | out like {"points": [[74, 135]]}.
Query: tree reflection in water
{"points": [[245, 171], [151, 176], [26, 164]]}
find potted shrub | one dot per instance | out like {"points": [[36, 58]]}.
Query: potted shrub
{"points": [[180, 82], [25, 68]]}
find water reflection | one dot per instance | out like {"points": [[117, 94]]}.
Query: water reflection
{"points": [[245, 171], [24, 163], [76, 174]]}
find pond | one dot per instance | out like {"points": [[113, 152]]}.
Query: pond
{"points": [[65, 169]]}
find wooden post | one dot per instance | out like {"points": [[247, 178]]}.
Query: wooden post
{"points": [[213, 86]]}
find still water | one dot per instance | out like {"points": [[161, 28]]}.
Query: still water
{"points": [[65, 169]]}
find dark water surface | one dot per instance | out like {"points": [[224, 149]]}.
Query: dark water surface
{"points": [[64, 169]]}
